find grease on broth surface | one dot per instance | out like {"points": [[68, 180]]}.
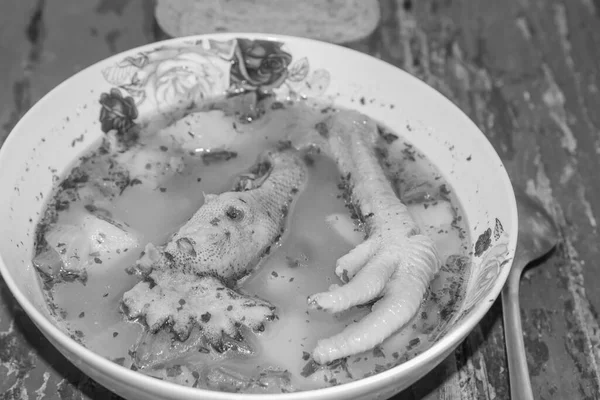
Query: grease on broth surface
{"points": [[164, 186]]}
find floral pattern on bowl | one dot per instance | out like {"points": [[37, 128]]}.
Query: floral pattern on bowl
{"points": [[493, 250], [168, 79], [493, 259]]}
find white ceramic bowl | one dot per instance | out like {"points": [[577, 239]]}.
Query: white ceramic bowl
{"points": [[66, 122]]}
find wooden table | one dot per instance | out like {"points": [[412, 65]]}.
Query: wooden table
{"points": [[524, 70]]}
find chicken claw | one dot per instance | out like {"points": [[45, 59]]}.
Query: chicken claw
{"points": [[185, 301], [393, 265]]}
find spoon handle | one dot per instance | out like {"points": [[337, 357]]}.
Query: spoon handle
{"points": [[520, 385]]}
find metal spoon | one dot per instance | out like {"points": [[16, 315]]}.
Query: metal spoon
{"points": [[537, 236]]}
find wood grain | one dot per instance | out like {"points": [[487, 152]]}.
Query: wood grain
{"points": [[526, 71]]}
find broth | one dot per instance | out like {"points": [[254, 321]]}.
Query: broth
{"points": [[88, 306]]}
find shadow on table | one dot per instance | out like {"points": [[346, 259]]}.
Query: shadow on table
{"points": [[444, 377], [24, 347]]}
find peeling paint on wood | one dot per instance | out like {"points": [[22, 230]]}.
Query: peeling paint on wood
{"points": [[515, 68]]}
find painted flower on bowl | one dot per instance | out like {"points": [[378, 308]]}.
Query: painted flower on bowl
{"points": [[117, 112], [167, 82], [259, 64], [186, 79], [486, 276]]}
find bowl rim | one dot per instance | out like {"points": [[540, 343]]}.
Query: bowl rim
{"points": [[440, 348]]}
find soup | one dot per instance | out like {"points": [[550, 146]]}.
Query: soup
{"points": [[140, 196]]}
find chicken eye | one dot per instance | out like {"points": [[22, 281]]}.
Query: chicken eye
{"points": [[234, 214]]}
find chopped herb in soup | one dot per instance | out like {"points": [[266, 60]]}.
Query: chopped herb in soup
{"points": [[207, 254]]}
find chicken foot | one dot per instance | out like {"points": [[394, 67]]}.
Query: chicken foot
{"points": [[394, 264]]}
